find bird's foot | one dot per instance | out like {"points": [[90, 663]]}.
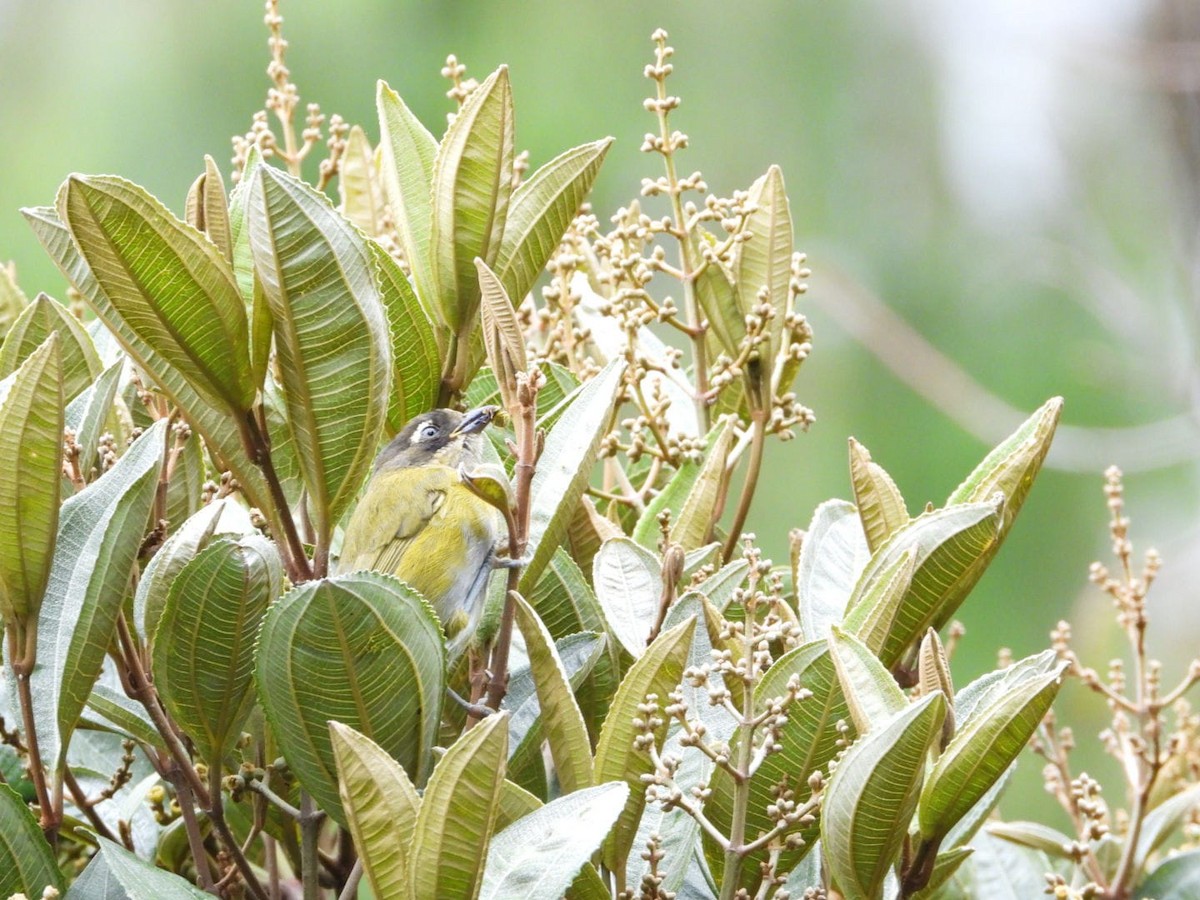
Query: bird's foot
{"points": [[478, 710], [504, 562]]}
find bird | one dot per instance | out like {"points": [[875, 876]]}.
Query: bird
{"points": [[418, 519]]}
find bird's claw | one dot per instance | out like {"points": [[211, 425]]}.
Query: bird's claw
{"points": [[504, 562], [478, 710]]}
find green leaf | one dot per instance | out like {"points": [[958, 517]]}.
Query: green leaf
{"points": [[129, 716], [100, 531], [258, 310], [26, 860], [472, 183], [539, 856], [968, 826], [869, 688], [331, 335], [980, 752], [718, 298], [203, 658], [810, 739], [416, 362], [765, 261], [142, 880], [89, 416], [541, 211], [160, 573], [31, 434], [565, 467], [562, 721], [358, 183], [1176, 879], [407, 151], [693, 521], [40, 319], [458, 813], [657, 671], [578, 654], [944, 866], [221, 433], [185, 489], [12, 298], [1034, 835], [381, 807], [872, 794], [629, 587], [999, 870], [647, 531], [363, 649], [169, 283], [566, 605], [880, 504], [720, 586], [208, 208], [951, 548], [832, 558], [1162, 821]]}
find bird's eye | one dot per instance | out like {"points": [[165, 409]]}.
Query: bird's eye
{"points": [[429, 431]]}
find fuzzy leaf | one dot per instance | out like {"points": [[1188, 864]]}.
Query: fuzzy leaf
{"points": [[541, 211], [90, 414], [502, 336], [951, 547], [1178, 878], [718, 298], [363, 649], [565, 467], [809, 738], [203, 658], [980, 752], [168, 281], [832, 558], [100, 531], [80, 365], [12, 298], [160, 573], [416, 361], [880, 504], [331, 335], [629, 586], [472, 182], [458, 813], [381, 807], [872, 794], [765, 261], [657, 671], [220, 432], [139, 879], [407, 151], [693, 521], [26, 860], [358, 183], [539, 856], [31, 435], [869, 688], [567, 605], [562, 721], [1009, 469]]}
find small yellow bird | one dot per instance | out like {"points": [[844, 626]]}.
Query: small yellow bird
{"points": [[417, 520]]}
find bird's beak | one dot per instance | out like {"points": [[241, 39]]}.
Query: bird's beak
{"points": [[476, 420]]}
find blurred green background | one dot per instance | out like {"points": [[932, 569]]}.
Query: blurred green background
{"points": [[998, 199]]}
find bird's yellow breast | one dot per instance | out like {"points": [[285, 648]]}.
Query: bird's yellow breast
{"points": [[425, 527]]}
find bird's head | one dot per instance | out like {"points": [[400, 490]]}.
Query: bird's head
{"points": [[443, 437]]}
